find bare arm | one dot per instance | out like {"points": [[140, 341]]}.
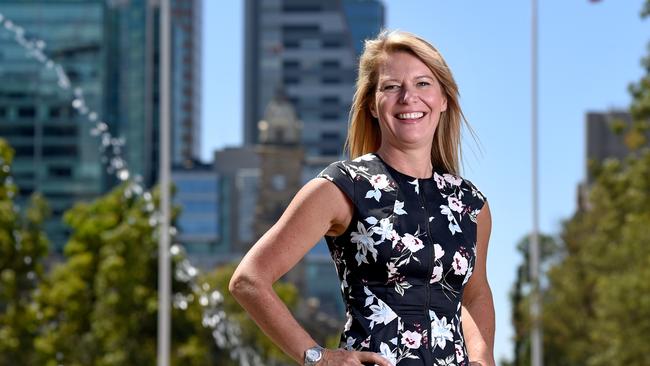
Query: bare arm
{"points": [[478, 307], [319, 208]]}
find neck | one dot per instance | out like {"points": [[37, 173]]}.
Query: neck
{"points": [[416, 163]]}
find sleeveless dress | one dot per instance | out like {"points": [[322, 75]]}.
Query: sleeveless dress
{"points": [[404, 260]]}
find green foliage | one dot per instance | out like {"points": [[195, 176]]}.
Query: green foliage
{"points": [[99, 307], [23, 246], [251, 334], [520, 295]]}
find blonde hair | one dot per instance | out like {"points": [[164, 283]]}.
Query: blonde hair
{"points": [[364, 135]]}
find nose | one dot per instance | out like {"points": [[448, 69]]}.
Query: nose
{"points": [[407, 96]]}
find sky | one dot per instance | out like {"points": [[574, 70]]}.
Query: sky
{"points": [[588, 55]]}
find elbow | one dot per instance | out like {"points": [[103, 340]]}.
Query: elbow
{"points": [[242, 285]]}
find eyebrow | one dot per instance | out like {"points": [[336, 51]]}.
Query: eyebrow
{"points": [[415, 78]]}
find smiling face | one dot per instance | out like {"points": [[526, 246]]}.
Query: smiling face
{"points": [[408, 102]]}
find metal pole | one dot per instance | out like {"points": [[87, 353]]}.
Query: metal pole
{"points": [[164, 264], [535, 304]]}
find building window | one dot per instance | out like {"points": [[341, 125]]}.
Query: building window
{"points": [[330, 64], [70, 131], [291, 80], [27, 112], [329, 116], [330, 100], [329, 152], [17, 131], [291, 64], [60, 171], [291, 44], [330, 136], [70, 150], [332, 44], [331, 80], [301, 8], [301, 29]]}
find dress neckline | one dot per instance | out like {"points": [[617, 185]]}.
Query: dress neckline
{"points": [[406, 176]]}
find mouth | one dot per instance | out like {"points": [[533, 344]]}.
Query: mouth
{"points": [[410, 116]]}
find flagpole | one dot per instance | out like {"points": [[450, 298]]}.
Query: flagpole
{"points": [[535, 303], [164, 263]]}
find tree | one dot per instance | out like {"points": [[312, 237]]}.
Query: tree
{"points": [[99, 307], [521, 292], [23, 246]]}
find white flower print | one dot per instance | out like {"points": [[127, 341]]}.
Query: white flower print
{"points": [[392, 270], [438, 252], [452, 179], [455, 204], [440, 331], [365, 243], [379, 181], [381, 314], [411, 339], [470, 269], [436, 275], [349, 343], [473, 215], [394, 237], [412, 243], [453, 224], [387, 353], [398, 209], [460, 357], [384, 229], [366, 343], [440, 181], [416, 184], [459, 264], [367, 157], [348, 321]]}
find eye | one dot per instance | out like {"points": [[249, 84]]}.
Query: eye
{"points": [[390, 87], [423, 83]]}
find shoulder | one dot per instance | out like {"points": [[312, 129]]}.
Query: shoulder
{"points": [[350, 168]]}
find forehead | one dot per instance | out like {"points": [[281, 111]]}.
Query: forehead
{"points": [[403, 64]]}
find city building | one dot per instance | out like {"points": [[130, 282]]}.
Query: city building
{"points": [[309, 49], [607, 137], [108, 51], [55, 153], [239, 172], [197, 193]]}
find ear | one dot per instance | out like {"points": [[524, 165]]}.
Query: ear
{"points": [[444, 104], [372, 108]]}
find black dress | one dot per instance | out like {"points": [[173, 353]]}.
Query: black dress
{"points": [[404, 260]]}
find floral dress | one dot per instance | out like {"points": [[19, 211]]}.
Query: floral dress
{"points": [[404, 260]]}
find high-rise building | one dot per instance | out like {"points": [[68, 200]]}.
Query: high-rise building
{"points": [[607, 137], [133, 83], [55, 153], [308, 49], [109, 52], [186, 77]]}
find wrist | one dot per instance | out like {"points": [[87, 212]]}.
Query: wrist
{"points": [[313, 355]]}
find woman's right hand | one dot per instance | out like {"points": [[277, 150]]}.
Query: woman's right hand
{"points": [[341, 357]]}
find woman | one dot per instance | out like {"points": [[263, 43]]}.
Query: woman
{"points": [[408, 236]]}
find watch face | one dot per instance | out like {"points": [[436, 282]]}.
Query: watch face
{"points": [[313, 355]]}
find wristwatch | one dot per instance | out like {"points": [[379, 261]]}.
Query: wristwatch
{"points": [[313, 355]]}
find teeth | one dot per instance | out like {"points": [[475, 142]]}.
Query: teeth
{"points": [[413, 115]]}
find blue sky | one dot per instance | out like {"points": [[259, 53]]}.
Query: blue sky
{"points": [[588, 54]]}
